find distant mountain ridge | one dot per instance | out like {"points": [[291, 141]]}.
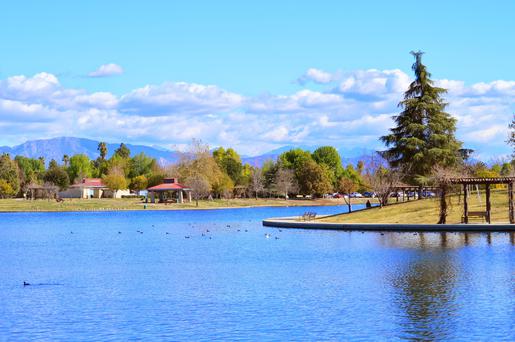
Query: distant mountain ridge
{"points": [[55, 148]]}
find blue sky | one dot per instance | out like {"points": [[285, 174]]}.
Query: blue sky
{"points": [[211, 67]]}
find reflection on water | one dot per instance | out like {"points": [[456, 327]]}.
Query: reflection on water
{"points": [[425, 296], [444, 240], [425, 285], [215, 275]]}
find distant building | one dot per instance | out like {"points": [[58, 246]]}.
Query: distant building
{"points": [[92, 188], [169, 191]]}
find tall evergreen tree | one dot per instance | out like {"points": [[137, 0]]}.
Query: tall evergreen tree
{"points": [[424, 135], [123, 151]]}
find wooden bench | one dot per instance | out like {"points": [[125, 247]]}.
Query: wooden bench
{"points": [[308, 216], [475, 214]]}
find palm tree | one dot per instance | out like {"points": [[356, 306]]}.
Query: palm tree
{"points": [[102, 148]]}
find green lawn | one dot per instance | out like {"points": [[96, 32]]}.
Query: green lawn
{"points": [[427, 211], [137, 204]]}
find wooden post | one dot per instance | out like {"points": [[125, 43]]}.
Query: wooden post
{"points": [[443, 206], [510, 202], [465, 204], [488, 205]]}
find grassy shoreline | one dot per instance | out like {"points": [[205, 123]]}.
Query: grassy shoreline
{"points": [[427, 211], [108, 204]]}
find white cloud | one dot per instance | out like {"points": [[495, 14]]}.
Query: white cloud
{"points": [[352, 111], [106, 70], [373, 83], [23, 88], [170, 98], [317, 76]]}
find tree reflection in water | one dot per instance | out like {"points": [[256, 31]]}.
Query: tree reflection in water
{"points": [[425, 283]]}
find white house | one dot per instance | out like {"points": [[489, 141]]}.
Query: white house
{"points": [[92, 188]]}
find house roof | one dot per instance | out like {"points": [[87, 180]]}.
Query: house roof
{"points": [[168, 186], [90, 183]]}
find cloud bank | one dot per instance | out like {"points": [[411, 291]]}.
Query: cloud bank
{"points": [[350, 111]]}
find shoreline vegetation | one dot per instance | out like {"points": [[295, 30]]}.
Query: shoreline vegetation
{"points": [[109, 204]]}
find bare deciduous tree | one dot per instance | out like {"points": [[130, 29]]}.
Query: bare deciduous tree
{"points": [[347, 186], [256, 181], [381, 179], [285, 181], [199, 186]]}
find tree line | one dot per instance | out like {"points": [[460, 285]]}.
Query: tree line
{"points": [[420, 148]]}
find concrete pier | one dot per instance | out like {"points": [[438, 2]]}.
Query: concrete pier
{"points": [[294, 222]]}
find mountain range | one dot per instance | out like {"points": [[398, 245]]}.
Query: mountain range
{"points": [[55, 148]]}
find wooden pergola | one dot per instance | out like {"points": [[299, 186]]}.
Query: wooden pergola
{"points": [[35, 191], [487, 182]]}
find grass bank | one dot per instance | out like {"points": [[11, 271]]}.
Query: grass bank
{"points": [[21, 205], [427, 211]]}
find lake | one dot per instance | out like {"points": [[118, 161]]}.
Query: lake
{"points": [[214, 275]]}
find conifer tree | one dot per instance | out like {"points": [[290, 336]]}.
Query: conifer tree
{"points": [[424, 135]]}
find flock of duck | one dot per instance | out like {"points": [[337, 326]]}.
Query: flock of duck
{"points": [[204, 233]]}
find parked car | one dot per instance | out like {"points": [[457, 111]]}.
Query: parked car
{"points": [[397, 194], [369, 194], [337, 195], [428, 194], [355, 195]]}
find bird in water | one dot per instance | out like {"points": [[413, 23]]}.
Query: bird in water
{"points": [[186, 237], [267, 236], [25, 283]]}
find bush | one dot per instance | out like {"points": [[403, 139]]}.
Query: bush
{"points": [[6, 189]]}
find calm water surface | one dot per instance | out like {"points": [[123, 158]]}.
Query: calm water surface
{"points": [[95, 277]]}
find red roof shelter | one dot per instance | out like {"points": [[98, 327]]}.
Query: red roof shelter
{"points": [[169, 189]]}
